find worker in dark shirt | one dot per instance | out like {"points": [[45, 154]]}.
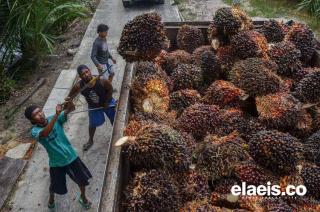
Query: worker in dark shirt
{"points": [[99, 98], [100, 53]]}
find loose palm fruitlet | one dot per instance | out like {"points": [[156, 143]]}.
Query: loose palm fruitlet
{"points": [[308, 89], [286, 56], [157, 146], [273, 31], [199, 120], [182, 99], [150, 93], [186, 76], [230, 21], [142, 38], [218, 160], [279, 110], [152, 190], [255, 76], [189, 38], [312, 148], [311, 178], [249, 44], [279, 152], [223, 94], [302, 37]]}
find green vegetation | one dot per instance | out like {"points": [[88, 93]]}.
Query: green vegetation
{"points": [[288, 9]]}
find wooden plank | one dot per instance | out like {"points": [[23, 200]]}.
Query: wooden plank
{"points": [[10, 171]]}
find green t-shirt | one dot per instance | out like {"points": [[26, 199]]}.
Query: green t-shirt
{"points": [[58, 147]]}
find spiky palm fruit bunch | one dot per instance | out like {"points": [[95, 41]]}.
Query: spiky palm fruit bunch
{"points": [[142, 38], [182, 99], [276, 205], [252, 203], [192, 185], [279, 152], [223, 94], [303, 128], [150, 93], [189, 38], [209, 67], [196, 55], [252, 173], [217, 161], [157, 146], [249, 44], [231, 20], [308, 89], [279, 110], [311, 178], [224, 185], [186, 76], [255, 76], [152, 190], [286, 56], [198, 206], [225, 59], [302, 72], [304, 204], [199, 120], [311, 148], [302, 37], [273, 31], [168, 61]]}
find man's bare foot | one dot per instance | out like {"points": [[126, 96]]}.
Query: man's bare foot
{"points": [[87, 145]]}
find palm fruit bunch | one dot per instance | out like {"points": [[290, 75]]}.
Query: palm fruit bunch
{"points": [[304, 126], [235, 120], [252, 173], [223, 94], [224, 185], [152, 190], [157, 146], [249, 44], [225, 201], [302, 37], [196, 55], [150, 93], [311, 148], [308, 89], [182, 99], [276, 205], [186, 76], [273, 31], [286, 56], [232, 137], [255, 76], [142, 38], [292, 179], [279, 152], [218, 160], [198, 206], [209, 67], [279, 110], [311, 178], [304, 204], [230, 21], [252, 203], [144, 68], [225, 59], [302, 72], [199, 120], [192, 185], [189, 38]]}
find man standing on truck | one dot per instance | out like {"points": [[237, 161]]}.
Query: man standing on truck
{"points": [[100, 54], [98, 94]]}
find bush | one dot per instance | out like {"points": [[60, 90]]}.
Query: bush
{"points": [[312, 6], [6, 86]]}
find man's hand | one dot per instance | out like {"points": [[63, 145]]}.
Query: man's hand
{"points": [[58, 109], [114, 61], [100, 67]]}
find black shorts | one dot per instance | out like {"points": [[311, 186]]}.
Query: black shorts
{"points": [[76, 170]]}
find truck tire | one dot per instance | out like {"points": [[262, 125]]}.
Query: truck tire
{"points": [[126, 3]]}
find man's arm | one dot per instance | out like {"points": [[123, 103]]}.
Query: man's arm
{"points": [[94, 53], [74, 90], [110, 56], [47, 129], [108, 88]]}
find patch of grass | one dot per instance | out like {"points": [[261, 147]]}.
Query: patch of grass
{"points": [[287, 9]]}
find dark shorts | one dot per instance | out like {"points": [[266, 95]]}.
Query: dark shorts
{"points": [[96, 117], [76, 170]]}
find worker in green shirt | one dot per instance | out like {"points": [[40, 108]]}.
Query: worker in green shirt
{"points": [[63, 159]]}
